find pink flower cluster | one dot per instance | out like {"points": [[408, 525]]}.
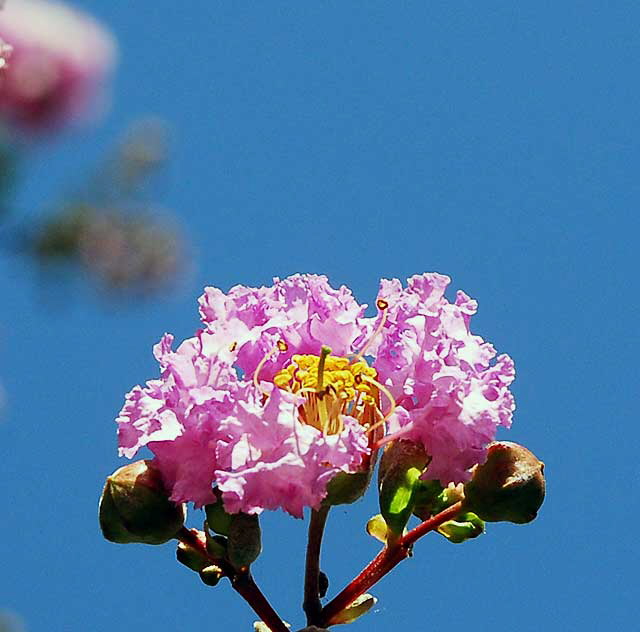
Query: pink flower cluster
{"points": [[58, 62], [216, 416]]}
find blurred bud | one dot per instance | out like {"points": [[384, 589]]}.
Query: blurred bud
{"points": [[245, 540], [134, 507], [509, 486], [360, 606], [465, 527], [129, 252], [5, 53], [401, 466], [211, 575], [125, 252], [143, 150]]}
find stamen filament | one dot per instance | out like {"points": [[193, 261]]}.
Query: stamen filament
{"points": [[281, 345], [389, 396], [382, 305]]}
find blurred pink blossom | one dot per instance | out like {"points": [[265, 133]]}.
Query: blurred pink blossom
{"points": [[59, 61]]}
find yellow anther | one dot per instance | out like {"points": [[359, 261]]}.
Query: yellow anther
{"points": [[332, 386]]}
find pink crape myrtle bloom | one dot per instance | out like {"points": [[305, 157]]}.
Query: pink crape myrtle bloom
{"points": [[59, 60], [275, 395], [450, 396]]}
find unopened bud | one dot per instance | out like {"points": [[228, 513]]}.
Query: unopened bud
{"points": [[509, 486], [245, 541], [344, 488], [211, 575], [218, 520], [134, 507], [191, 557]]}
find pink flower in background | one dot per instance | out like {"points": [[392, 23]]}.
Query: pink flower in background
{"points": [[58, 65], [275, 395]]}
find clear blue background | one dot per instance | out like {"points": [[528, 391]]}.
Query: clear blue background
{"points": [[495, 142]]}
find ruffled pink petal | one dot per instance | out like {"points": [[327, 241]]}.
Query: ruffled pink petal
{"points": [[451, 397], [303, 311], [274, 461]]}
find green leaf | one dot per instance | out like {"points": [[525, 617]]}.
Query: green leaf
{"points": [[377, 528], [360, 606], [465, 527]]}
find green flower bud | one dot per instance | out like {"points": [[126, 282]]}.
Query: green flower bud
{"points": [[400, 468], [134, 507], [344, 489], [245, 542], [465, 527], [218, 519], [509, 486]]}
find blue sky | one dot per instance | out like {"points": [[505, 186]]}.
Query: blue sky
{"points": [[494, 142]]}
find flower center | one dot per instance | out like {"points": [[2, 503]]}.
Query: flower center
{"points": [[332, 386]]}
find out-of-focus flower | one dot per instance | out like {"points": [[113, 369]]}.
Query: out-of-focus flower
{"points": [[5, 53], [124, 251], [274, 396], [59, 61]]}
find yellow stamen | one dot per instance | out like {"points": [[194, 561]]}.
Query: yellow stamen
{"points": [[332, 387]]}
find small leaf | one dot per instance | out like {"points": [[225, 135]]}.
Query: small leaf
{"points": [[360, 606], [396, 496], [377, 528], [465, 527]]}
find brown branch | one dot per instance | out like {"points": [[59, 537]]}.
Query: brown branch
{"points": [[311, 603], [241, 581]]}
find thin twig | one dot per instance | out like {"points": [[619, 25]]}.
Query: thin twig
{"points": [[241, 581], [311, 603], [387, 559]]}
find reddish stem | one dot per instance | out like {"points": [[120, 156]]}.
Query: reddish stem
{"points": [[241, 581], [381, 564]]}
